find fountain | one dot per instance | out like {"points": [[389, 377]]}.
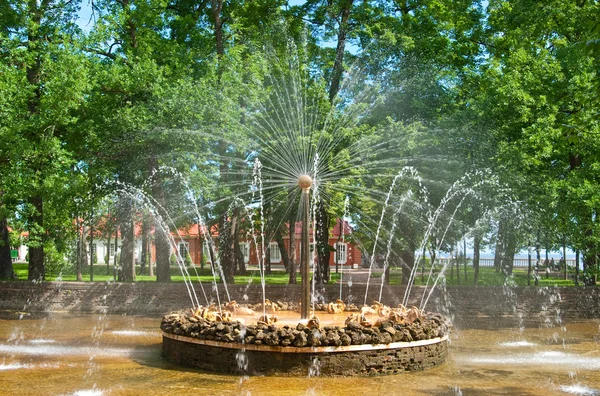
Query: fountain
{"points": [[397, 340], [347, 340]]}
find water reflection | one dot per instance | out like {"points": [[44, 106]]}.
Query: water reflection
{"points": [[68, 355]]}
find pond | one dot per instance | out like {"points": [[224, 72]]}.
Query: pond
{"points": [[66, 354]]}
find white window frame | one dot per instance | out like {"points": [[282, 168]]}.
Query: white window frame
{"points": [[245, 248], [205, 252], [343, 252], [186, 251], [112, 248], [275, 253]]}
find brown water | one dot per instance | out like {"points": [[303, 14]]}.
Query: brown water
{"points": [[120, 355]]}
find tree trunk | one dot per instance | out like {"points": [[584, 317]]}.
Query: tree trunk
{"points": [[292, 247], [499, 250], [108, 241], [161, 237], [529, 267], [465, 259], [127, 272], [163, 255], [564, 246], [216, 9], [577, 267], [79, 250], [144, 260], [115, 257], [226, 254], [36, 249], [322, 245], [92, 250], [407, 257], [511, 249], [457, 261], [149, 249], [239, 255], [33, 73], [338, 65], [6, 265], [281, 245], [476, 254]]}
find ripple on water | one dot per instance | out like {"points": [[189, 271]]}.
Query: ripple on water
{"points": [[41, 341], [546, 358], [135, 333], [17, 366], [578, 389], [13, 366], [52, 350], [517, 344], [87, 392]]}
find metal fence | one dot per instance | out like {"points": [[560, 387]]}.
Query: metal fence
{"points": [[518, 262]]}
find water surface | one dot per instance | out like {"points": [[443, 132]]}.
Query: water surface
{"points": [[64, 354]]}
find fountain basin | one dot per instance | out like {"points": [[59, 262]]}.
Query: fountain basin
{"points": [[350, 360]]}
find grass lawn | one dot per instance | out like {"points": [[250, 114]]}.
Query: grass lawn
{"points": [[489, 277], [205, 275]]}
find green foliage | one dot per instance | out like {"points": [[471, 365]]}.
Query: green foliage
{"points": [[447, 87]]}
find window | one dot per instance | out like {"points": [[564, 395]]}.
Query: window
{"points": [[205, 252], [275, 253], [245, 248], [94, 248], [111, 249], [184, 249], [341, 252]]}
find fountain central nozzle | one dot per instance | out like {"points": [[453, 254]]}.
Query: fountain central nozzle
{"points": [[305, 182]]}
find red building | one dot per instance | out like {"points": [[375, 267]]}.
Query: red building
{"points": [[191, 239]]}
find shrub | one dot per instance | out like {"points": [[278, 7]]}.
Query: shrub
{"points": [[188, 260]]}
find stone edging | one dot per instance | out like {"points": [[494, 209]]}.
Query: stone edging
{"points": [[289, 349], [369, 360]]}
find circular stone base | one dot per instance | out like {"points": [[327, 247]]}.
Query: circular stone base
{"points": [[250, 359]]}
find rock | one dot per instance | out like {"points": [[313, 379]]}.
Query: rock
{"points": [[356, 338], [390, 330], [314, 338], [251, 330], [227, 337], [333, 339], [385, 338], [345, 339], [272, 339], [355, 326], [301, 339]]}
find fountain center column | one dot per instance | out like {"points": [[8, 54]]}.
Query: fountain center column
{"points": [[305, 183]]}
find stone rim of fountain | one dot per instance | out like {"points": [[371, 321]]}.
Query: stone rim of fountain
{"points": [[306, 349]]}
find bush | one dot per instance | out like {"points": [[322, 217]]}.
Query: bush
{"points": [[173, 260], [54, 261], [188, 260]]}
